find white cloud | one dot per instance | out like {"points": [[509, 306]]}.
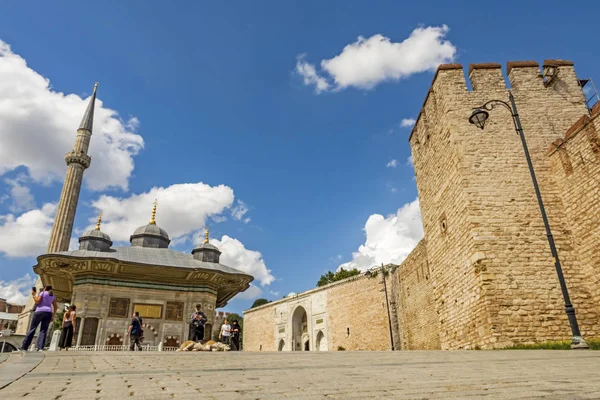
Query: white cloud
{"points": [[31, 112], [394, 190], [239, 210], [309, 75], [236, 255], [182, 209], [410, 161], [26, 235], [392, 164], [18, 290], [249, 294], [22, 199], [366, 63], [407, 122], [388, 239]]}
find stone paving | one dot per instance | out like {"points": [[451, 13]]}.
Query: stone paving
{"points": [[336, 375]]}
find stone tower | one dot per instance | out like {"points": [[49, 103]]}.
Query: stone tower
{"points": [[492, 272], [77, 162]]}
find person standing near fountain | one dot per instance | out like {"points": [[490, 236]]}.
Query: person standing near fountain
{"points": [[44, 314], [68, 327]]}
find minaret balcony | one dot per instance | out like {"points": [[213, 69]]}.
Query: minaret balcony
{"points": [[78, 158]]}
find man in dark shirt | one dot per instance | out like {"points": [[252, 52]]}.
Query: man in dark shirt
{"points": [[194, 333], [197, 328], [135, 331]]}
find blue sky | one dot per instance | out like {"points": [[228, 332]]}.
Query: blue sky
{"points": [[215, 96]]}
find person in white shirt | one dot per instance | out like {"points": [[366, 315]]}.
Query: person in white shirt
{"points": [[225, 332]]}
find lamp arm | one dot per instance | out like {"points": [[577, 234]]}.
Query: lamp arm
{"points": [[492, 103]]}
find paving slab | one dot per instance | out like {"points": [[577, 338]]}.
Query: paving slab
{"points": [[294, 375], [17, 365]]}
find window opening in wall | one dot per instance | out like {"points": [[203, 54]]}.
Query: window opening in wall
{"points": [[590, 94], [118, 308], [443, 224], [174, 311]]}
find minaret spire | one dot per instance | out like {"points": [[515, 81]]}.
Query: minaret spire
{"points": [[77, 162], [87, 122]]}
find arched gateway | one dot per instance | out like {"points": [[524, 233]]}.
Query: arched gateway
{"points": [[300, 338]]}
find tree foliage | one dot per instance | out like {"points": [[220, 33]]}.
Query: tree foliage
{"points": [[331, 277], [259, 302]]}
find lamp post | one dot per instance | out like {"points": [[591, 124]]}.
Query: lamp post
{"points": [[478, 118], [387, 304]]}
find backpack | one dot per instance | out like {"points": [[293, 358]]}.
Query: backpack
{"points": [[141, 330]]}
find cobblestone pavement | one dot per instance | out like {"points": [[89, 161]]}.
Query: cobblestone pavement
{"points": [[336, 375]]}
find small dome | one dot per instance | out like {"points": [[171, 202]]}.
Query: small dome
{"points": [[95, 240], [150, 236], [207, 252]]}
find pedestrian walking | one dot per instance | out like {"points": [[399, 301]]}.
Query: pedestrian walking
{"points": [[225, 332], [44, 314], [236, 330], [68, 327], [135, 332]]}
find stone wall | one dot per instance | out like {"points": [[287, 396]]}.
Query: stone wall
{"points": [[351, 314], [484, 275], [493, 275], [259, 329], [417, 317], [357, 315], [576, 166]]}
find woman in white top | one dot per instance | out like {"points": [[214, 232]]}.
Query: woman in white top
{"points": [[68, 327], [225, 332]]}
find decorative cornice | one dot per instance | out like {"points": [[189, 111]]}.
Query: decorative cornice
{"points": [[141, 285]]}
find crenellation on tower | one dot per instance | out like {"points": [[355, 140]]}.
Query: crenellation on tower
{"points": [[487, 76], [524, 75]]}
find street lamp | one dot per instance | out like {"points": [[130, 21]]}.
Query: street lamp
{"points": [[478, 118]]}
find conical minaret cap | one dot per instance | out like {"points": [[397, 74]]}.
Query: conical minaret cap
{"points": [[88, 118]]}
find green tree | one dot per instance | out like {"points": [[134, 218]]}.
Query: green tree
{"points": [[232, 317], [259, 302], [331, 277]]}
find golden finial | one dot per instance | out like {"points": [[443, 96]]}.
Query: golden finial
{"points": [[206, 241], [152, 221], [98, 223], [95, 86]]}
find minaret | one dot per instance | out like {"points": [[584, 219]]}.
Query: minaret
{"points": [[77, 162]]}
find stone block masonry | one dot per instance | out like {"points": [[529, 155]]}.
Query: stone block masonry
{"points": [[484, 276], [494, 281]]}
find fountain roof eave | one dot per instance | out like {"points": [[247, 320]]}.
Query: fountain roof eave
{"points": [[163, 265]]}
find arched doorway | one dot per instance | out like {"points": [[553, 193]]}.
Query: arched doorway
{"points": [[321, 342], [300, 330], [281, 345], [150, 335]]}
